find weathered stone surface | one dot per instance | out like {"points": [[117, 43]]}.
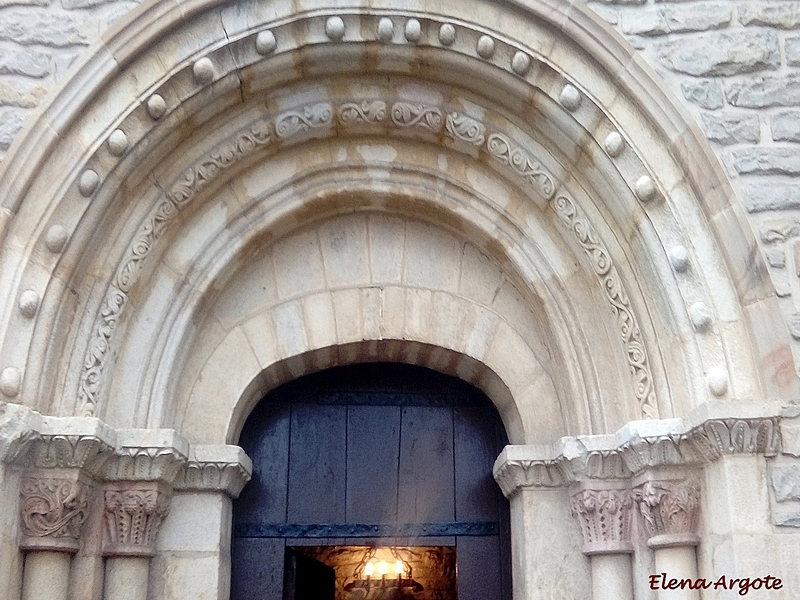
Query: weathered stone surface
{"points": [[794, 326], [764, 92], [776, 258], [29, 62], [785, 15], [706, 93], [777, 231], [38, 27], [721, 54], [623, 2], [24, 3], [767, 161], [22, 95], [70, 4], [700, 17], [11, 120], [792, 51], [729, 129], [786, 483], [768, 195], [786, 126]]}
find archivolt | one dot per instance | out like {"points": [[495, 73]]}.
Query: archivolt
{"points": [[552, 115]]}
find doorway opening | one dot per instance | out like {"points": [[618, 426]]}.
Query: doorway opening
{"points": [[369, 468]]}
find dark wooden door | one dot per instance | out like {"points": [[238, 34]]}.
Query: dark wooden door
{"points": [[380, 454]]}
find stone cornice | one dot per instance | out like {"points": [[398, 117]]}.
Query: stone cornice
{"points": [[713, 430]]}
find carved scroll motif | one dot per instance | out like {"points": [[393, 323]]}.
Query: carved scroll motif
{"points": [[616, 295], [406, 114], [501, 148], [52, 512], [309, 117], [183, 192], [465, 129], [366, 112]]}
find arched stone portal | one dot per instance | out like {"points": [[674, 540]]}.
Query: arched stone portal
{"points": [[224, 197]]}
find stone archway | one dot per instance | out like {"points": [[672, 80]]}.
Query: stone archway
{"points": [[604, 275]]}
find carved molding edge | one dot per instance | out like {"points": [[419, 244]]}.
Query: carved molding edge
{"points": [[53, 511], [631, 451], [670, 512], [215, 469], [133, 512], [604, 516]]}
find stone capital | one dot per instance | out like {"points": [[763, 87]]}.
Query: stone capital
{"points": [[133, 512], [670, 512], [604, 516], [215, 468], [53, 509]]}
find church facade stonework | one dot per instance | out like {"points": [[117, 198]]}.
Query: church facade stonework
{"points": [[587, 210]]}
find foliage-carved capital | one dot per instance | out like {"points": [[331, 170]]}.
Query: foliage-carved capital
{"points": [[670, 512], [604, 517]]}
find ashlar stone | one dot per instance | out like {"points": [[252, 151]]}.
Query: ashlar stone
{"points": [[786, 483], [700, 17], [722, 54], [765, 92], [785, 126], [47, 29], [763, 196], [705, 93], [727, 128], [791, 49], [783, 15], [31, 63], [767, 161]]}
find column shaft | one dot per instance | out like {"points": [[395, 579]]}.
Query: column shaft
{"points": [[678, 563], [612, 577], [126, 578], [46, 575]]}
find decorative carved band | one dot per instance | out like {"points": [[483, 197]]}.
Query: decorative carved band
{"points": [[213, 476], [514, 475], [53, 512], [404, 115], [604, 517], [133, 516], [670, 512]]}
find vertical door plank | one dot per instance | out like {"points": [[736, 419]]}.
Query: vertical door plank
{"points": [[478, 560], [426, 465], [373, 446], [263, 499], [475, 452], [257, 569], [317, 464]]}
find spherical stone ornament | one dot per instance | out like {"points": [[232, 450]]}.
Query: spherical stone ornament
{"points": [[203, 70], [570, 98], [156, 106], [88, 182], [56, 238], [118, 142], [28, 303], [614, 144], [413, 31], [447, 34], [521, 63], [485, 47], [266, 42], [10, 381], [385, 30], [645, 188], [717, 380], [334, 28], [679, 257], [700, 316]]}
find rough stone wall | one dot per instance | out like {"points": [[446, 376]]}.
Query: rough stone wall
{"points": [[735, 64], [39, 40]]}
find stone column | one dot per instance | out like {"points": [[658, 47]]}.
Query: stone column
{"points": [[133, 514], [604, 516], [670, 511], [53, 509]]}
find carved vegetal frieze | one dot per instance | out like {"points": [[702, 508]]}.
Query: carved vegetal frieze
{"points": [[408, 114], [213, 476], [604, 517], [617, 297], [367, 112], [670, 512], [132, 518], [144, 464], [320, 115], [53, 511], [87, 452]]}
